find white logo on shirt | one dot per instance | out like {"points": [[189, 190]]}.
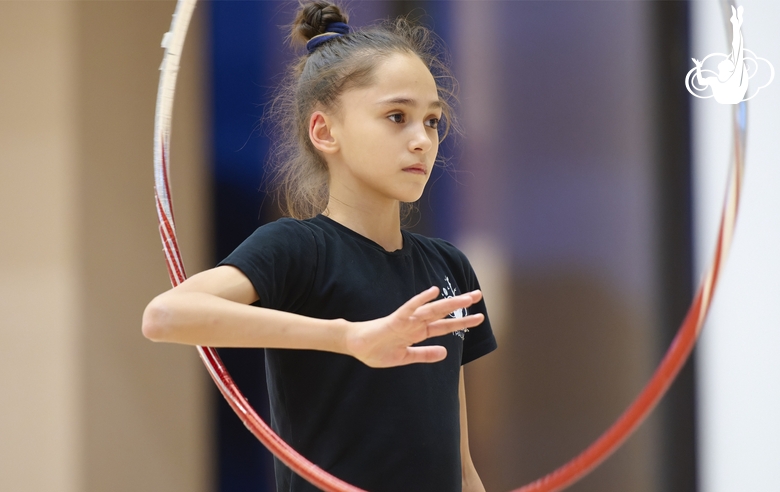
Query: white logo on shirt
{"points": [[458, 313]]}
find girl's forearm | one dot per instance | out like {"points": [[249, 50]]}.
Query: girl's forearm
{"points": [[198, 318]]}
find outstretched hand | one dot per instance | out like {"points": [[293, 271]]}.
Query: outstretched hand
{"points": [[387, 342]]}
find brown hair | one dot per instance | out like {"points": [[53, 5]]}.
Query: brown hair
{"points": [[317, 80]]}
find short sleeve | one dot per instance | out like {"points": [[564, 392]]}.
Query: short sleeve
{"points": [[280, 259], [478, 341]]}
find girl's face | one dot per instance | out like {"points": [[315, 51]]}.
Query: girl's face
{"points": [[385, 144]]}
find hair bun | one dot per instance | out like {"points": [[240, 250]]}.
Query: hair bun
{"points": [[312, 18]]}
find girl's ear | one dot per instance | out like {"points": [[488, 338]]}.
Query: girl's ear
{"points": [[320, 133]]}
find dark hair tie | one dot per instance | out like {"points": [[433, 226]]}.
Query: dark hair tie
{"points": [[332, 30]]}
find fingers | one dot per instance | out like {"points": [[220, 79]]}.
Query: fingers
{"points": [[428, 354], [450, 325], [441, 308], [421, 308], [409, 307], [416, 320]]}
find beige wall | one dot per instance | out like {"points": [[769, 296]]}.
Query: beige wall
{"points": [[87, 403]]}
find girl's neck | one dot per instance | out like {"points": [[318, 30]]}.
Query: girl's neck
{"points": [[381, 224]]}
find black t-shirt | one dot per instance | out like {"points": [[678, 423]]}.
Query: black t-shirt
{"points": [[392, 429]]}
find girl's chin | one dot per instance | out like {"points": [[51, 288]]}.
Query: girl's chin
{"points": [[409, 197], [412, 194]]}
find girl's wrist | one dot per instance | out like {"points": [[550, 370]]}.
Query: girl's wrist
{"points": [[343, 330]]}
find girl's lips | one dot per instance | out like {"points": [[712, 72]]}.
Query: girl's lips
{"points": [[417, 169]]}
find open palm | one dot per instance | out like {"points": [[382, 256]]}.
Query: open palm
{"points": [[387, 342]]}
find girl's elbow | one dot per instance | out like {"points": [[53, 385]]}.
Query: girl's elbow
{"points": [[154, 324]]}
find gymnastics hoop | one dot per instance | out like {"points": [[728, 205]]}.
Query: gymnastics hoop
{"points": [[564, 476]]}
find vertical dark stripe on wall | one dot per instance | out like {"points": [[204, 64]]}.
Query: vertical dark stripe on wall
{"points": [[240, 65], [673, 129]]}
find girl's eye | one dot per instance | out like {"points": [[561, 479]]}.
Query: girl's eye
{"points": [[399, 118]]}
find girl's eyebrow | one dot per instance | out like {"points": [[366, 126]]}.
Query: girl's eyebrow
{"points": [[408, 102]]}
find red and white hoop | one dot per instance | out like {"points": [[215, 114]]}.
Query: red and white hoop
{"points": [[566, 475]]}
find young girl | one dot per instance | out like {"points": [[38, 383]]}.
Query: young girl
{"points": [[365, 325]]}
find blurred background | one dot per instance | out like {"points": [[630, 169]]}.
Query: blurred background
{"points": [[586, 192]]}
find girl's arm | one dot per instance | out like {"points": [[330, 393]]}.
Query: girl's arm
{"points": [[211, 309], [471, 480]]}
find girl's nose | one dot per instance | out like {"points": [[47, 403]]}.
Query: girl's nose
{"points": [[421, 139]]}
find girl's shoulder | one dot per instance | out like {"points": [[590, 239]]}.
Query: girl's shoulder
{"points": [[433, 242], [285, 228], [441, 247], [286, 236], [280, 259]]}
